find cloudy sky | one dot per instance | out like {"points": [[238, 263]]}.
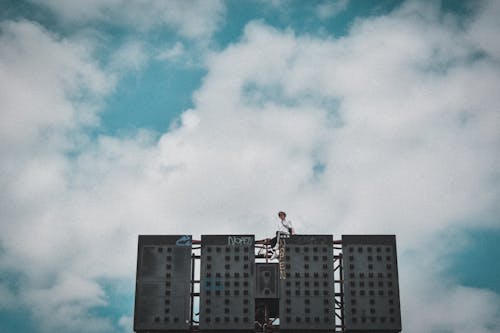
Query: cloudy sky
{"points": [[127, 117]]}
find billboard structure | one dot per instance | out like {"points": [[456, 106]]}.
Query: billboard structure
{"points": [[371, 288], [163, 283], [228, 283], [307, 290]]}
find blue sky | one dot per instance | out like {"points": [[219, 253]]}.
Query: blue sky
{"points": [[121, 118]]}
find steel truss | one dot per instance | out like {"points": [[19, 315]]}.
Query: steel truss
{"points": [[263, 254]]}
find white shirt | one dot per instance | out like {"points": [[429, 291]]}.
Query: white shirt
{"points": [[284, 225]]}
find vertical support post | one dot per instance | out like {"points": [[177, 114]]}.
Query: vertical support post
{"points": [[339, 286], [341, 273], [193, 258], [266, 246]]}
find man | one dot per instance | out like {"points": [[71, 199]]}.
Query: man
{"points": [[284, 227]]}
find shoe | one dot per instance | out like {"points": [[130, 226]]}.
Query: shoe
{"points": [[275, 255]]}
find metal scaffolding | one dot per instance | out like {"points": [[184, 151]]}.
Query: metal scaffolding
{"points": [[263, 252]]}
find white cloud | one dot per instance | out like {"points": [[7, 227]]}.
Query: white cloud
{"points": [[130, 56], [61, 76], [483, 32], [171, 53], [51, 89], [435, 303], [126, 323], [196, 19], [401, 113], [330, 9], [8, 299]]}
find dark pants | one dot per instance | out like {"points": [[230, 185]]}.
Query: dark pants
{"points": [[275, 239]]}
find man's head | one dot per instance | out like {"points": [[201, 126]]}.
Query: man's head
{"points": [[282, 215]]}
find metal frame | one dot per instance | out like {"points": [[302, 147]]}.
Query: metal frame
{"points": [[265, 246], [338, 285], [262, 249], [195, 285]]}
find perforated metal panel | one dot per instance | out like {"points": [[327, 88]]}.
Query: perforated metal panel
{"points": [[306, 289], [227, 283], [162, 297], [371, 289], [266, 280]]}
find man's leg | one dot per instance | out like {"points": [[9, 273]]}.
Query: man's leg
{"points": [[274, 247], [273, 242]]}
